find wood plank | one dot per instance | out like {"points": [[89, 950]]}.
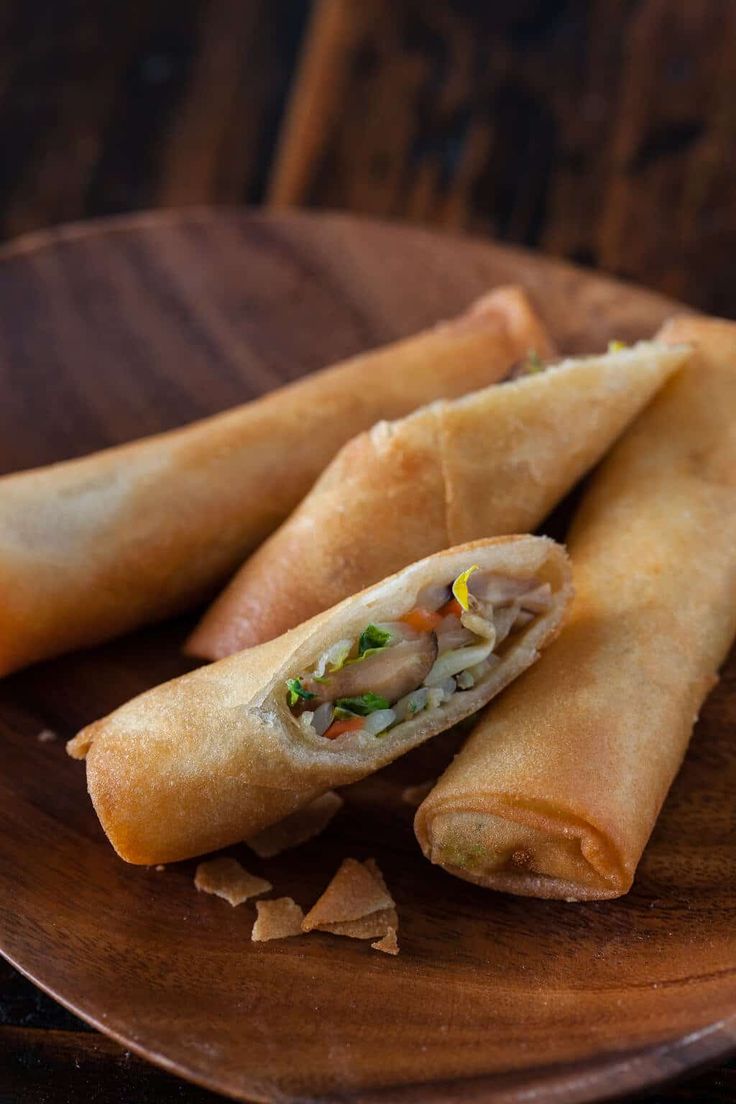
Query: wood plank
{"points": [[567, 126], [114, 107]]}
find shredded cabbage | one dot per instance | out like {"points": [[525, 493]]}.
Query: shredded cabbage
{"points": [[378, 722], [457, 660], [335, 656]]}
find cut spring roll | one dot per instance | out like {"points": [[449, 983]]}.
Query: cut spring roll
{"points": [[490, 463], [558, 789], [219, 754], [94, 547]]}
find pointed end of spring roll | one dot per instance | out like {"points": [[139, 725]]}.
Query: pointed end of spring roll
{"points": [[512, 305]]}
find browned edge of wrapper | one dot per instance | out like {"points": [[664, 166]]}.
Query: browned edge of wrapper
{"points": [[610, 877]]}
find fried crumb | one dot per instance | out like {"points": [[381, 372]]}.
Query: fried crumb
{"points": [[226, 878], [389, 944], [277, 919], [372, 926], [353, 893]]}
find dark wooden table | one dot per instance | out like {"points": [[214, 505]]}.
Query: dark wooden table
{"points": [[566, 125]]}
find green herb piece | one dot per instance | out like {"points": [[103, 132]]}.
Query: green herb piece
{"points": [[297, 691], [360, 706], [616, 346], [533, 363], [372, 639]]}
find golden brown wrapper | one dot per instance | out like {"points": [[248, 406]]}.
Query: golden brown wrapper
{"points": [[94, 547], [215, 756], [558, 788], [490, 463]]}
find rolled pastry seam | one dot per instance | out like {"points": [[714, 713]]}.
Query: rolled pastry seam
{"points": [[558, 788], [217, 755], [492, 462], [95, 547]]}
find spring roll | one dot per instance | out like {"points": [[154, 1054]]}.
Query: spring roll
{"points": [[217, 755], [95, 547], [490, 463], [558, 789]]}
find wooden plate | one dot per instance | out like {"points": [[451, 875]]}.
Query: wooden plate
{"points": [[120, 328]]}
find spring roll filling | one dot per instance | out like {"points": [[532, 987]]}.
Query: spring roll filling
{"points": [[447, 643]]}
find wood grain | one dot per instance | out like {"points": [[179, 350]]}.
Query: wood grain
{"points": [[598, 130], [569, 125], [113, 107], [106, 331]]}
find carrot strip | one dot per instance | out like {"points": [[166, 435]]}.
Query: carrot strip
{"points": [[338, 728], [423, 620], [452, 607]]}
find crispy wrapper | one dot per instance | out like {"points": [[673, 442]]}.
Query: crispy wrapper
{"points": [[277, 919], [372, 926], [213, 757], [492, 462], [389, 944], [357, 903], [353, 894], [226, 878], [301, 826], [557, 790], [95, 547]]}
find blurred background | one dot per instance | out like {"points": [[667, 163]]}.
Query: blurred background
{"points": [[603, 131]]}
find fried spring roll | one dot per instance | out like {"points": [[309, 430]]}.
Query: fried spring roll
{"points": [[94, 547], [219, 754], [558, 788], [490, 463]]}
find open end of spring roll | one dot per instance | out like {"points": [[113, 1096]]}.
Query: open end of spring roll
{"points": [[493, 462], [95, 547], [557, 790], [217, 755]]}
